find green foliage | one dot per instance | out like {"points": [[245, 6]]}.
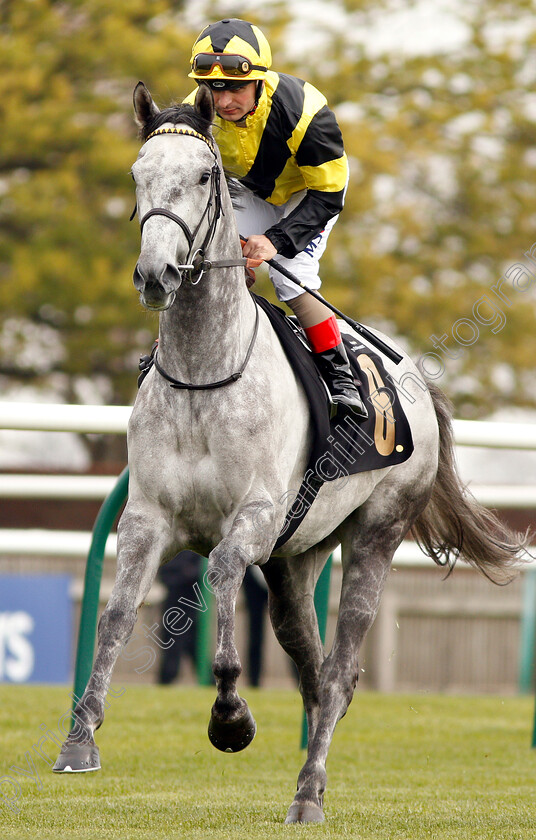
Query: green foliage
{"points": [[67, 71], [440, 203]]}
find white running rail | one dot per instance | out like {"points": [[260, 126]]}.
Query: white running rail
{"points": [[98, 419]]}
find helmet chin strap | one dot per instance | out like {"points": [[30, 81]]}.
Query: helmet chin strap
{"points": [[258, 92]]}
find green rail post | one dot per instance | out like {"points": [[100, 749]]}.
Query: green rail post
{"points": [[90, 599], [321, 599], [528, 633]]}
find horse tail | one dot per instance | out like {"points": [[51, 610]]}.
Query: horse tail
{"points": [[454, 524]]}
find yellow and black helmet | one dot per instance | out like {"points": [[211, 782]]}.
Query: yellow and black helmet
{"points": [[230, 49]]}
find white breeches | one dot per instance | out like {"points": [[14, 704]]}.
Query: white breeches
{"points": [[254, 216]]}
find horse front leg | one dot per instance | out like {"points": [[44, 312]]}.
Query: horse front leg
{"points": [[140, 549], [232, 726]]}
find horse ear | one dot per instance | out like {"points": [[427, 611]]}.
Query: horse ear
{"points": [[204, 103], [144, 107]]}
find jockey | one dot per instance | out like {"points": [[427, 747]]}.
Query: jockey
{"points": [[278, 137]]}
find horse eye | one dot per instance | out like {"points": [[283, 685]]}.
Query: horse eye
{"points": [[204, 178]]}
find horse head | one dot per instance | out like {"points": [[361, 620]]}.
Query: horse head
{"points": [[177, 194]]}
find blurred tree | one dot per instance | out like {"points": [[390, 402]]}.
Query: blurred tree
{"points": [[442, 142], [441, 200], [67, 71]]}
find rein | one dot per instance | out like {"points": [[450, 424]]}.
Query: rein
{"points": [[197, 263], [189, 386]]}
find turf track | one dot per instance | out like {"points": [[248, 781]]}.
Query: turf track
{"points": [[400, 768]]}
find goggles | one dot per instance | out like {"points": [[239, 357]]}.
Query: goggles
{"points": [[233, 66]]}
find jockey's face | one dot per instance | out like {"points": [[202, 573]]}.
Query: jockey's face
{"points": [[234, 105]]}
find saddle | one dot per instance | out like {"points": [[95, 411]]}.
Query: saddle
{"points": [[341, 446]]}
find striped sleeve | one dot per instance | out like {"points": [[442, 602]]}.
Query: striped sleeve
{"points": [[294, 232], [321, 142], [319, 154], [317, 145]]}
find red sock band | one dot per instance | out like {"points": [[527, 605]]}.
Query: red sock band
{"points": [[324, 336]]}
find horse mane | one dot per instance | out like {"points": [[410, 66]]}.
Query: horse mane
{"points": [[236, 189], [184, 113], [187, 115]]}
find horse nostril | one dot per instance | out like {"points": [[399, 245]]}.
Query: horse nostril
{"points": [[170, 277], [138, 278], [154, 283]]}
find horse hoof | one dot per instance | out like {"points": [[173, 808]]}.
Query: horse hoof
{"points": [[304, 812], [77, 758], [232, 736]]}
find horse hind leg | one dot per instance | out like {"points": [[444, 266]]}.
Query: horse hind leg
{"points": [[291, 585], [369, 539], [360, 596]]}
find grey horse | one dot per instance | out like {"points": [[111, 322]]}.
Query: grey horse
{"points": [[219, 437]]}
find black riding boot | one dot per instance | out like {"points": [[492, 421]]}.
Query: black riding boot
{"points": [[334, 366]]}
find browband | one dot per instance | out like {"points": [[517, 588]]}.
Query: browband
{"points": [[188, 131]]}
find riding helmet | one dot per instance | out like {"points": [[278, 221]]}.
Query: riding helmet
{"points": [[233, 37]]}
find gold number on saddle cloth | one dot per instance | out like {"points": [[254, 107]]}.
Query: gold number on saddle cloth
{"points": [[384, 427]]}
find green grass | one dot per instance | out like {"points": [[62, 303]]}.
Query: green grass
{"points": [[400, 768]]}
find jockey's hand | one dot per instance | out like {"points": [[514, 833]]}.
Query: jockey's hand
{"points": [[259, 247]]}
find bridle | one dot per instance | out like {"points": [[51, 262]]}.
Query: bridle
{"points": [[196, 263], [195, 260]]}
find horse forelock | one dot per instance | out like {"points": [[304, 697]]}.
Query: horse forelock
{"points": [[184, 114]]}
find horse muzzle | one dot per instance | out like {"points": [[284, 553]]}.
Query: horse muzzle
{"points": [[157, 292]]}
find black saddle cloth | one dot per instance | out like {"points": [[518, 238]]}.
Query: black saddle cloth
{"points": [[342, 446]]}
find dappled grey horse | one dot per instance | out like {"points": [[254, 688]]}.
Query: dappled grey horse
{"points": [[220, 436]]}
